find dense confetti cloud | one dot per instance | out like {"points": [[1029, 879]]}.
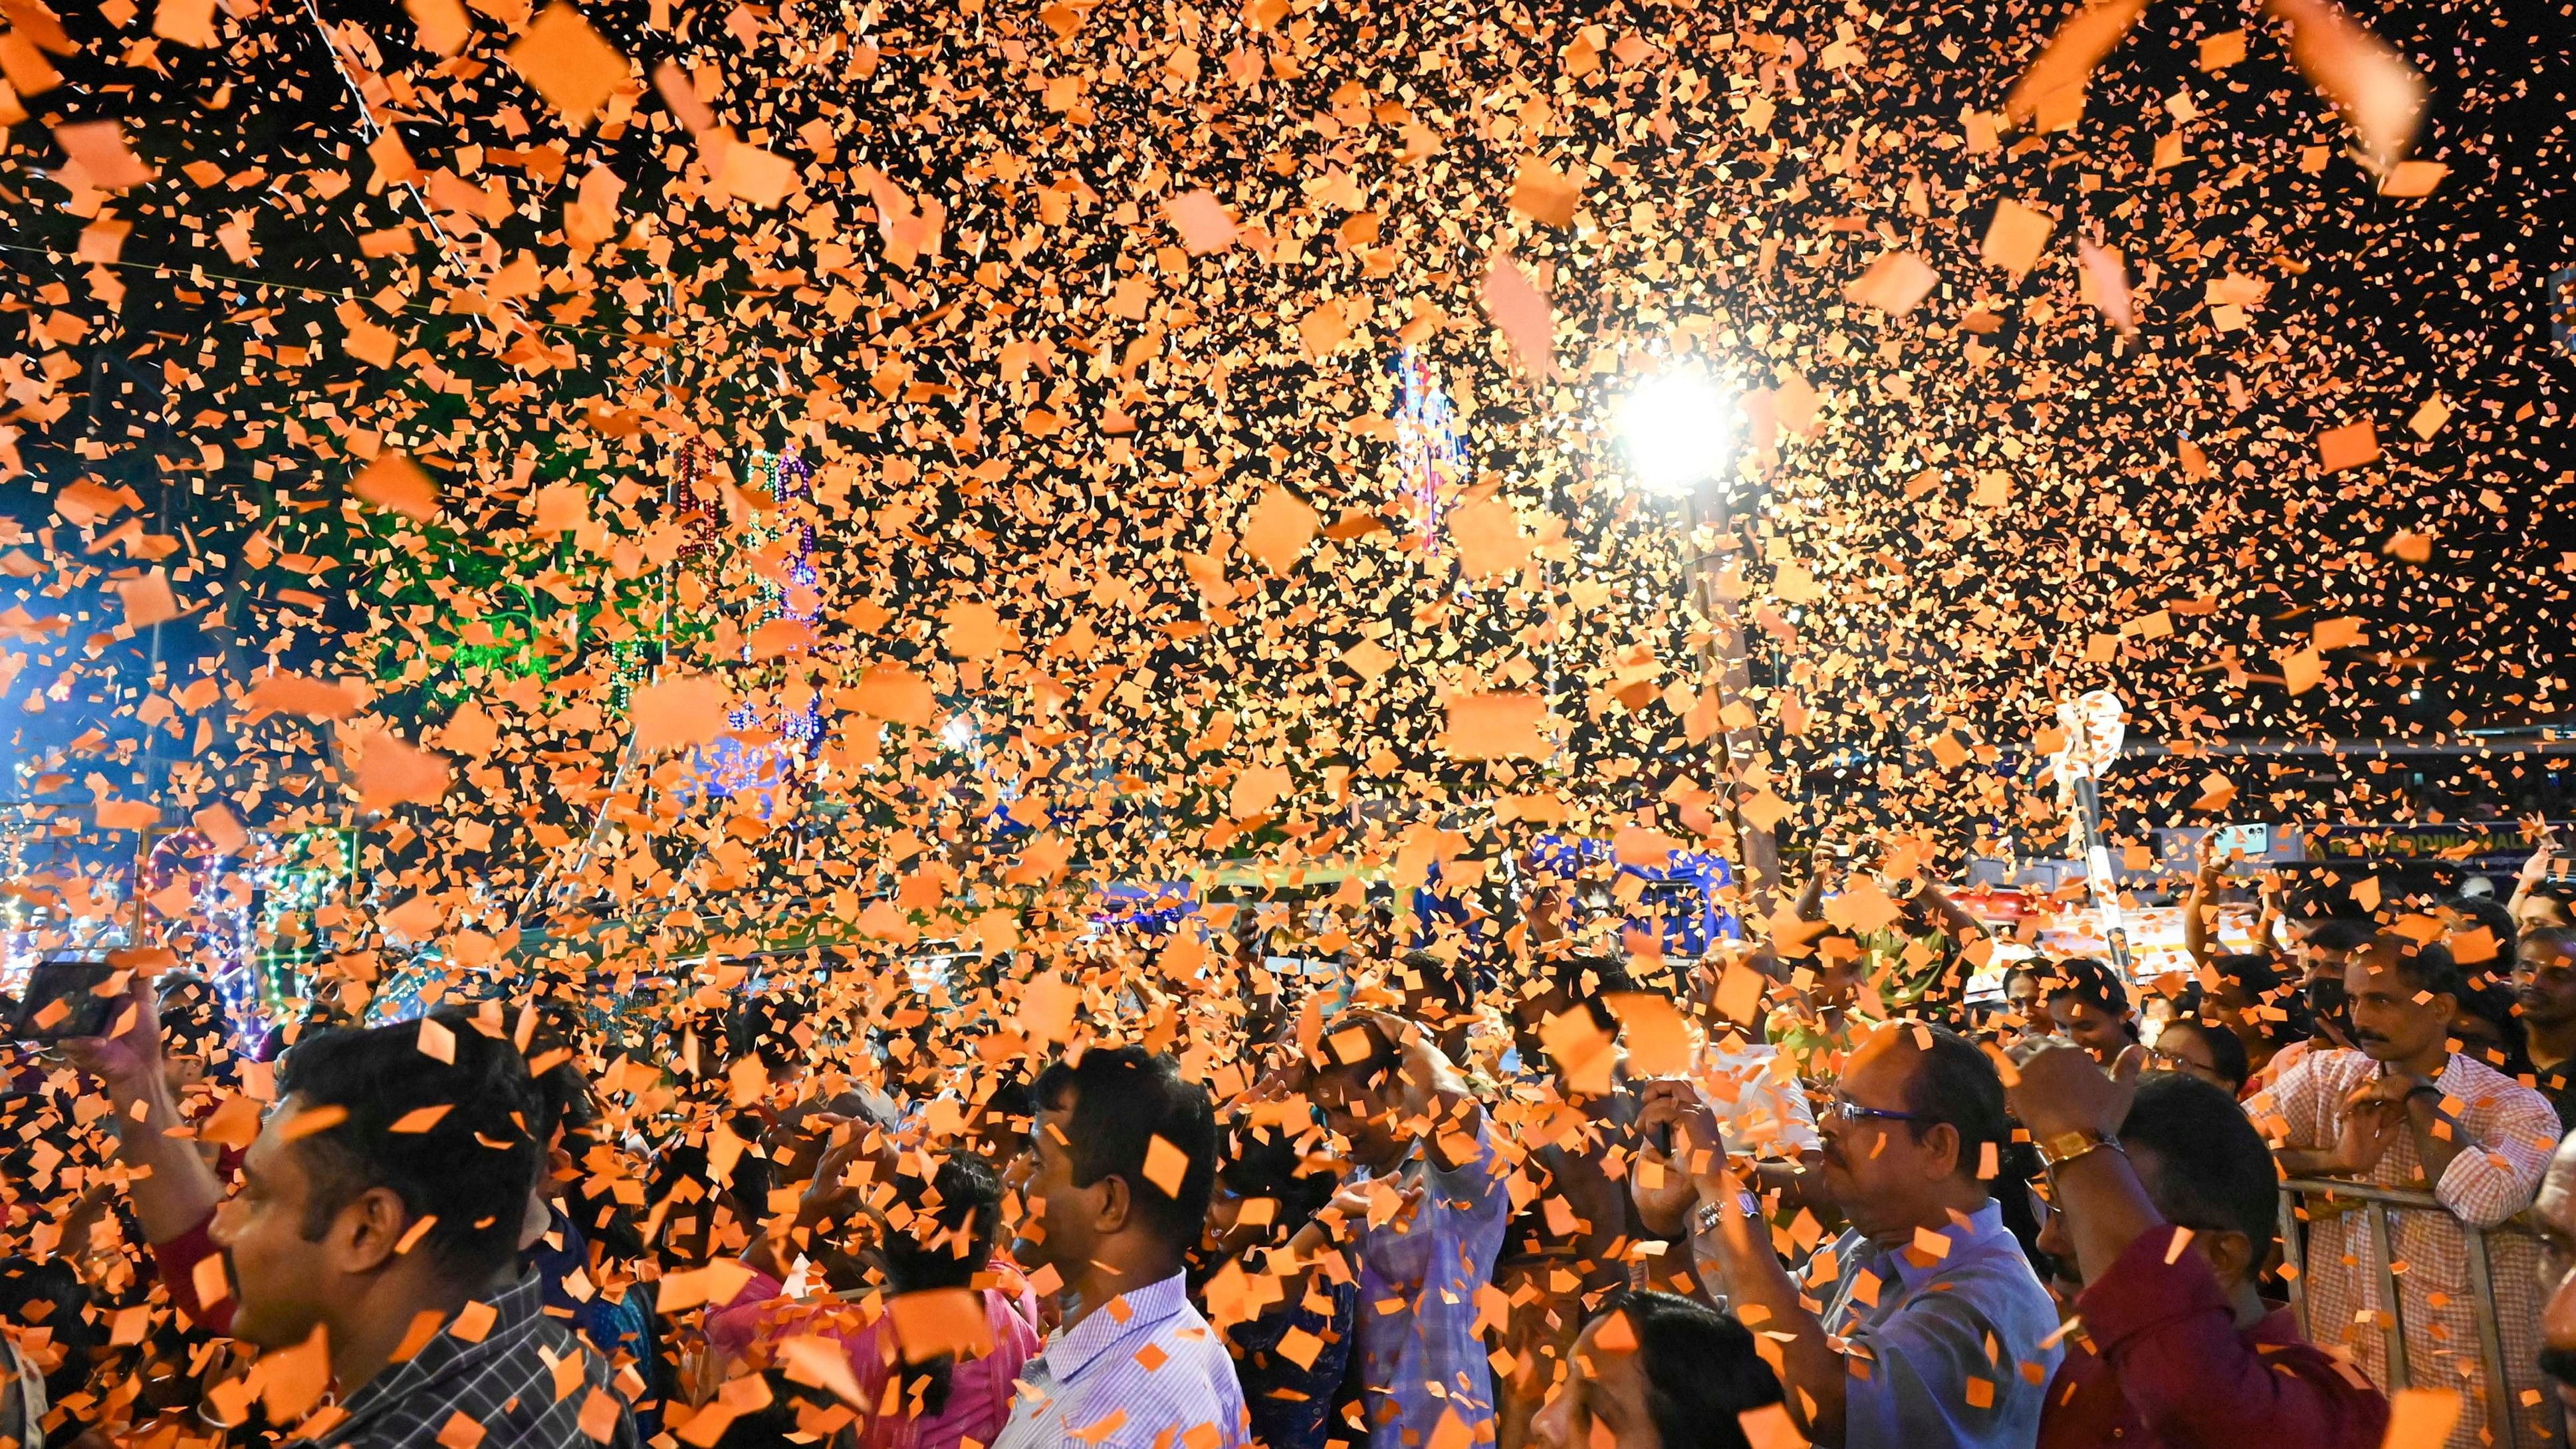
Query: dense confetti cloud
{"points": [[612, 486]]}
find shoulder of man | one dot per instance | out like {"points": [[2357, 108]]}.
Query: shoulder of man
{"points": [[2488, 1093]]}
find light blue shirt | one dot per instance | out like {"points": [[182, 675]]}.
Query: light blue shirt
{"points": [[1420, 1354], [1143, 1371], [1913, 1353]]}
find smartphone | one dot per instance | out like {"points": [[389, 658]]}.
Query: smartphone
{"points": [[68, 997], [1661, 1136], [2254, 840]]}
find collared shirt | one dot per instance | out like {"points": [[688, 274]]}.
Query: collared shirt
{"points": [[2160, 1364], [503, 1388], [1142, 1371], [1417, 1309], [2513, 1131], [1955, 1350]]}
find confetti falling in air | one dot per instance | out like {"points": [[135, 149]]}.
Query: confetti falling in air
{"points": [[584, 494]]}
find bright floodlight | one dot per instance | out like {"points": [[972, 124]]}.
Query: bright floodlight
{"points": [[1676, 429]]}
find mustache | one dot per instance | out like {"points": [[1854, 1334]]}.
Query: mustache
{"points": [[2559, 1363]]}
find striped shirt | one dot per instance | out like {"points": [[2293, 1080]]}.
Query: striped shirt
{"points": [[1143, 1371], [1422, 1356]]}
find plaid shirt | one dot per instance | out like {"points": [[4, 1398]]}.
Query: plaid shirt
{"points": [[2513, 1131], [526, 1383], [1420, 1352]]}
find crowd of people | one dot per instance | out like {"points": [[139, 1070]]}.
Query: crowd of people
{"points": [[1543, 1194]]}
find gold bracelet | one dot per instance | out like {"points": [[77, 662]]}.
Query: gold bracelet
{"points": [[2065, 1147]]}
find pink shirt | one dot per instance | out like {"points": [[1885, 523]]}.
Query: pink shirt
{"points": [[979, 1390]]}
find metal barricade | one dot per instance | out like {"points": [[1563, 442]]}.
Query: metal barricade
{"points": [[2377, 1203]]}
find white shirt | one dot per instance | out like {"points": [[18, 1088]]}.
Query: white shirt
{"points": [[1758, 1100]]}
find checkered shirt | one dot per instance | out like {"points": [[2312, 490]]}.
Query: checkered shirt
{"points": [[2514, 1130]]}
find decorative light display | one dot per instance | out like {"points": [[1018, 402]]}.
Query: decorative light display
{"points": [[1426, 441], [698, 502], [730, 767], [219, 920]]}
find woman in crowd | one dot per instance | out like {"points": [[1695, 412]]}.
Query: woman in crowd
{"points": [[933, 1234], [2195, 1048], [2091, 1007], [1658, 1371]]}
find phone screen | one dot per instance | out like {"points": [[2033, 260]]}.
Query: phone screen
{"points": [[64, 1000]]}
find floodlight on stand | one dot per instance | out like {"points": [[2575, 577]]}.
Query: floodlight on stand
{"points": [[1676, 426]]}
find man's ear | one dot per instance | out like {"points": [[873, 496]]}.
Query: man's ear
{"points": [[2234, 1256], [1116, 1203], [1941, 1140], [365, 1232]]}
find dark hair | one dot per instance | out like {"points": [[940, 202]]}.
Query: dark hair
{"points": [[1954, 1082], [944, 1244], [2341, 933], [2494, 1004], [2259, 975], [949, 1237], [2226, 1050], [2255, 971], [2212, 1169], [471, 1169], [783, 1419], [765, 1027], [1586, 981], [1264, 1160], [1701, 1371], [2559, 940], [1451, 983], [2490, 913], [1122, 1100], [49, 1295], [2092, 981], [2426, 965], [1383, 1061]]}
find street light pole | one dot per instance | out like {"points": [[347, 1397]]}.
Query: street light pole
{"points": [[1680, 432], [2094, 729], [1725, 663]]}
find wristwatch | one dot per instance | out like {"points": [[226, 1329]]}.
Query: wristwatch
{"points": [[2065, 1147], [1706, 1218]]}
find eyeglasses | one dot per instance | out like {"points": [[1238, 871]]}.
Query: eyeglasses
{"points": [[1844, 1111], [2164, 1060]]}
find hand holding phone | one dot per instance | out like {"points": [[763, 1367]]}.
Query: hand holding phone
{"points": [[67, 998]]}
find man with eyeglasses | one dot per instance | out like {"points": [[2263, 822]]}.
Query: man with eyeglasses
{"points": [[1934, 1330]]}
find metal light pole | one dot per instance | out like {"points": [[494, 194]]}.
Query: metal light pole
{"points": [[2094, 728], [1681, 431]]}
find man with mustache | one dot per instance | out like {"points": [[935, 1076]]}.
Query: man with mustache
{"points": [[1933, 1329], [2407, 1110]]}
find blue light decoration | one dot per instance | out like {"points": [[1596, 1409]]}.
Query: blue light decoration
{"points": [[730, 767], [1427, 445], [1680, 901]]}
